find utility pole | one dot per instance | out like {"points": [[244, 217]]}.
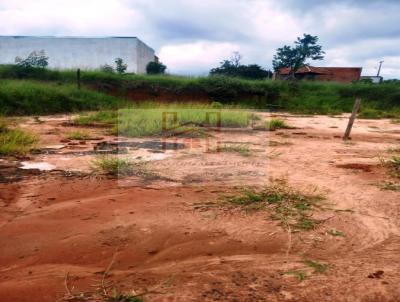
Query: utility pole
{"points": [[380, 67]]}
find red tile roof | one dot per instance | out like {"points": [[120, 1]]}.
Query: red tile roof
{"points": [[318, 70]]}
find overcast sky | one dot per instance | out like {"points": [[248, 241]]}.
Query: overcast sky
{"points": [[191, 36]]}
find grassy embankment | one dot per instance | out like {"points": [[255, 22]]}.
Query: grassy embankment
{"points": [[47, 91]]}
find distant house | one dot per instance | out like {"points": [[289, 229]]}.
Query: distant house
{"points": [[79, 52], [330, 74]]}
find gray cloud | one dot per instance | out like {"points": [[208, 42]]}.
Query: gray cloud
{"points": [[192, 36]]}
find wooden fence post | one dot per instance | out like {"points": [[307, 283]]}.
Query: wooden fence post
{"points": [[78, 78], [356, 108]]}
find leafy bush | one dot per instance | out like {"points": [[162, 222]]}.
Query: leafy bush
{"points": [[155, 68]]}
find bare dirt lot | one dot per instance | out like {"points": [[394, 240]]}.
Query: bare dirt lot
{"points": [[66, 231]]}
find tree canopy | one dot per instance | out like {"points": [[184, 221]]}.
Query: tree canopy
{"points": [[233, 68], [155, 68], [296, 57]]}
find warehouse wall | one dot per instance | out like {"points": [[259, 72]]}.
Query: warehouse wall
{"points": [[84, 53]]}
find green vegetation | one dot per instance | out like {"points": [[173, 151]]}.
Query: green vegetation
{"points": [[113, 166], [390, 186], [79, 135], [171, 120], [31, 97], [300, 275], [155, 68], [103, 117], [295, 57], [292, 208], [168, 119], [242, 149], [273, 125], [393, 166], [15, 141], [116, 296], [54, 91], [316, 266], [234, 68]]}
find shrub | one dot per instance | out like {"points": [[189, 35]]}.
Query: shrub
{"points": [[155, 68]]}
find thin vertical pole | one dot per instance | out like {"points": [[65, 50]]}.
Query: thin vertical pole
{"points": [[78, 78], [356, 108]]}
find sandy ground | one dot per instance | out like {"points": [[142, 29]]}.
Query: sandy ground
{"points": [[66, 226]]}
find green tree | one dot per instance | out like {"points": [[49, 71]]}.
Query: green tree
{"points": [[36, 59], [155, 68], [120, 66], [296, 57], [233, 68]]}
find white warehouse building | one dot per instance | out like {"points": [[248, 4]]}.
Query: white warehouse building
{"points": [[79, 52]]}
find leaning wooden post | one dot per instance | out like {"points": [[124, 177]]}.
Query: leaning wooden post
{"points": [[78, 78], [356, 108]]}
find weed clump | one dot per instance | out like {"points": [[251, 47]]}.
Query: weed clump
{"points": [[293, 209], [393, 166], [273, 125], [15, 141], [79, 135], [113, 166], [242, 149]]}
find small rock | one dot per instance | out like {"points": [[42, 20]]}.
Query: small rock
{"points": [[376, 275]]}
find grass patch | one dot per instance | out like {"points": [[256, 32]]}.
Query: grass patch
{"points": [[242, 149], [117, 296], [152, 119], [114, 166], [103, 117], [369, 113], [22, 97], [300, 275], [178, 119], [293, 209], [304, 97], [393, 166], [79, 135], [273, 124], [393, 150], [390, 186], [15, 141], [122, 167], [316, 266]]}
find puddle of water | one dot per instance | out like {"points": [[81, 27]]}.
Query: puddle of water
{"points": [[42, 166]]}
